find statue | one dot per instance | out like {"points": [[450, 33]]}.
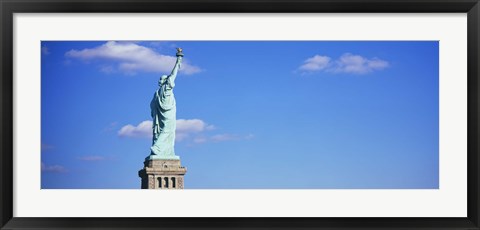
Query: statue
{"points": [[163, 111]]}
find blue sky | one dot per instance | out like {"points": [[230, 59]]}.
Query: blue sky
{"points": [[251, 114]]}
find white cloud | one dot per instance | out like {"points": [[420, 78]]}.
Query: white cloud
{"points": [[347, 63], [144, 129], [131, 57], [315, 63], [92, 158], [185, 127], [192, 125], [53, 168], [194, 130]]}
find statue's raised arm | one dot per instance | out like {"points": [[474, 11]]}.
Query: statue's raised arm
{"points": [[178, 63]]}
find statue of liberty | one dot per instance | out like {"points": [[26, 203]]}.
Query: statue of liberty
{"points": [[163, 111]]}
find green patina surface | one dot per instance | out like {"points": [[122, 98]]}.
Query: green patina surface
{"points": [[163, 112]]}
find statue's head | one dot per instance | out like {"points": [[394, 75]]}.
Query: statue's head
{"points": [[162, 80]]}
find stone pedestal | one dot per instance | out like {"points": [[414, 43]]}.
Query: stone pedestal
{"points": [[162, 174]]}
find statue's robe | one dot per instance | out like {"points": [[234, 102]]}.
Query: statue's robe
{"points": [[163, 111]]}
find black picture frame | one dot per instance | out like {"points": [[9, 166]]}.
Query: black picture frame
{"points": [[9, 7]]}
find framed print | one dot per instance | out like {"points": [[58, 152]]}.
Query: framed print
{"points": [[266, 114]]}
